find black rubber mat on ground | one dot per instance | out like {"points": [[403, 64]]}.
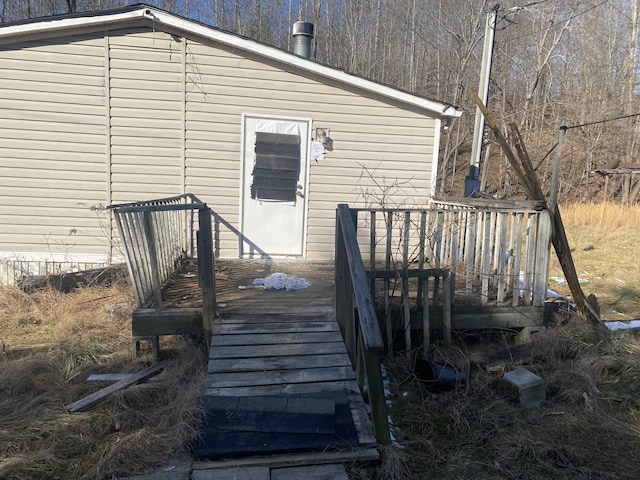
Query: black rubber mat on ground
{"points": [[239, 426]]}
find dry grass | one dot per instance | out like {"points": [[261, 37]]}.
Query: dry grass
{"points": [[51, 342], [604, 243], [588, 427]]}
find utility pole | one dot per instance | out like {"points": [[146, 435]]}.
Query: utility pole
{"points": [[472, 183]]}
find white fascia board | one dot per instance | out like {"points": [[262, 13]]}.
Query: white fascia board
{"points": [[438, 109], [55, 24]]}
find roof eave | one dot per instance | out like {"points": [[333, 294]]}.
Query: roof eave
{"points": [[60, 23], [436, 109]]}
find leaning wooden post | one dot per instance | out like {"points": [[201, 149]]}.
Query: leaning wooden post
{"points": [[527, 176]]}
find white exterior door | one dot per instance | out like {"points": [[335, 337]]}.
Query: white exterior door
{"points": [[275, 167]]}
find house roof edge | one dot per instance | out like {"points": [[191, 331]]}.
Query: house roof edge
{"points": [[143, 12]]}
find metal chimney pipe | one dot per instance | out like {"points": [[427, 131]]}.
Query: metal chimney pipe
{"points": [[302, 36]]}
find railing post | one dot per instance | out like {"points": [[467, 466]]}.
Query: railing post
{"points": [[207, 270], [129, 258], [376, 397], [153, 258], [343, 293]]}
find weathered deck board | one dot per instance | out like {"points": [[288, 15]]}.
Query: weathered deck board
{"points": [[274, 338], [251, 351], [282, 389], [276, 377], [277, 327], [278, 363]]}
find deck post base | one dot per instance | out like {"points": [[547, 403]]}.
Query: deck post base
{"points": [[155, 345]]}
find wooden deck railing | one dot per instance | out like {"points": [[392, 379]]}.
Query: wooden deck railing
{"points": [[157, 237], [499, 248], [399, 267], [465, 253], [361, 332], [426, 266]]}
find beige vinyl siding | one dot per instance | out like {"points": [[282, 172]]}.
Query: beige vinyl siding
{"points": [[394, 145], [146, 115], [87, 120], [52, 147]]}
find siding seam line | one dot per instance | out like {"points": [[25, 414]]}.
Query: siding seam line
{"points": [[183, 120], [107, 106]]}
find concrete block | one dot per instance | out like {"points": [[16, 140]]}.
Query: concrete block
{"points": [[528, 385], [526, 333]]}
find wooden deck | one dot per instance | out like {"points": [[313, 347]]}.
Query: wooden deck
{"points": [[279, 376]]}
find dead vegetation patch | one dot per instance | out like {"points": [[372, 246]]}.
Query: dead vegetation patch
{"points": [[587, 427], [51, 343]]}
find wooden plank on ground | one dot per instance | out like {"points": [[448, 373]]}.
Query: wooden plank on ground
{"points": [[275, 377], [311, 472], [91, 400], [109, 377], [278, 363], [275, 350], [270, 338]]}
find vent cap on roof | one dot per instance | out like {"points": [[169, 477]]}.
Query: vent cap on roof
{"points": [[302, 36]]}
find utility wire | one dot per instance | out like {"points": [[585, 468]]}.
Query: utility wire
{"points": [[606, 120], [559, 22]]}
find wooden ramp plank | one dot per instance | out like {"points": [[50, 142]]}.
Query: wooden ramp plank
{"points": [[280, 414], [260, 318], [278, 363], [236, 351], [274, 338], [223, 328], [276, 377], [294, 388]]}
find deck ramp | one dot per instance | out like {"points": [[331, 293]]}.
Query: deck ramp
{"points": [[280, 383], [279, 378]]}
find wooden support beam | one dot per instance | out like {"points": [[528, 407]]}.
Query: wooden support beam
{"points": [[172, 321], [478, 318], [527, 176]]}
